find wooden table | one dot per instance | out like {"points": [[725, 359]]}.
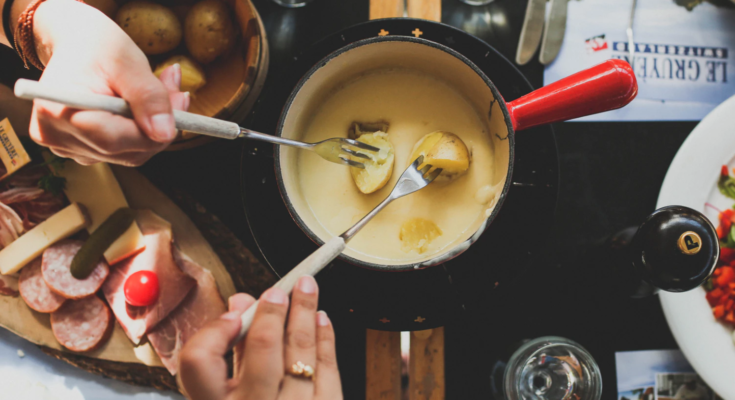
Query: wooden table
{"points": [[383, 349]]}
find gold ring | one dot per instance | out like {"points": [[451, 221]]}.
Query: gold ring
{"points": [[301, 370]]}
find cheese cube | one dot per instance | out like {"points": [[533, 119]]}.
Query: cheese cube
{"points": [[95, 186], [59, 226]]}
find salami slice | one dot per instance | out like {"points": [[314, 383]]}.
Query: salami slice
{"points": [[82, 325], [34, 290], [57, 271]]}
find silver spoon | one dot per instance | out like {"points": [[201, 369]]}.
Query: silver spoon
{"points": [[335, 149], [412, 180]]}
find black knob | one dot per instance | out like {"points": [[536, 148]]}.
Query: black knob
{"points": [[675, 249]]}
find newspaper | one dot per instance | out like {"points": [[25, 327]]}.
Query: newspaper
{"points": [[683, 58]]}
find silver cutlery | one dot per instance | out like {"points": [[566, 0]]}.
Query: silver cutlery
{"points": [[556, 27], [531, 31], [412, 180], [336, 150], [629, 32]]}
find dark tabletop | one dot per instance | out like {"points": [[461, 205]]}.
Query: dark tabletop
{"points": [[610, 176]]}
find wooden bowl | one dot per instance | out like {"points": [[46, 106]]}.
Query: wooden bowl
{"points": [[233, 82]]}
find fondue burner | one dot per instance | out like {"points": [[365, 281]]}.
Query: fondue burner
{"points": [[418, 299]]}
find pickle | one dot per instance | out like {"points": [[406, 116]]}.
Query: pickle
{"points": [[99, 241]]}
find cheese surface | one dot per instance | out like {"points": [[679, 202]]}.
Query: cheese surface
{"points": [[96, 188], [414, 105], [59, 226]]}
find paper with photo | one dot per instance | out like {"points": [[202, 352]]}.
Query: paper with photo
{"points": [[684, 59], [682, 386], [655, 375]]}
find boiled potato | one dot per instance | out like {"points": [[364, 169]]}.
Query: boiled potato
{"points": [[358, 129], [417, 233], [443, 150], [192, 75], [153, 27], [379, 168], [208, 30]]}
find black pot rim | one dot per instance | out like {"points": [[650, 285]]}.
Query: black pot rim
{"points": [[450, 253]]}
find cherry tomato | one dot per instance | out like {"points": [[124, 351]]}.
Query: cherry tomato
{"points": [[141, 288]]}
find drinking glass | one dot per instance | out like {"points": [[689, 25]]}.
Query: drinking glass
{"points": [[552, 368], [292, 3], [477, 2]]}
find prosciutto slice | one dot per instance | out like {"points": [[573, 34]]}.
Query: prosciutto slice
{"points": [[157, 257], [9, 286], [27, 177], [202, 305], [11, 225], [43, 207], [20, 194], [31, 203]]}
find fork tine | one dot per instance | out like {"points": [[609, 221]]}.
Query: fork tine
{"points": [[354, 153], [430, 178], [359, 145], [417, 162], [352, 163], [426, 169]]}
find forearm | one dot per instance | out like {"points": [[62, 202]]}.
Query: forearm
{"points": [[58, 21], [16, 9]]}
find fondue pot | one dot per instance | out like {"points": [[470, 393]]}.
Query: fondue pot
{"points": [[383, 298], [601, 88]]}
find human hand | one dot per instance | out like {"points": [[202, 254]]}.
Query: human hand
{"points": [[268, 349], [85, 50]]}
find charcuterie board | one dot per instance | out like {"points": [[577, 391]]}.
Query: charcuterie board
{"points": [[119, 358]]}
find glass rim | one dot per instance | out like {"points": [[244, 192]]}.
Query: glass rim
{"points": [[545, 342]]}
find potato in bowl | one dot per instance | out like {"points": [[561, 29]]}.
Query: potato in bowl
{"points": [[227, 86], [153, 27]]}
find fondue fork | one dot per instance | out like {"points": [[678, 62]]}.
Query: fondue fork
{"points": [[335, 150], [412, 180]]}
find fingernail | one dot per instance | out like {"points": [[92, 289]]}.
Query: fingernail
{"points": [[307, 284], [231, 316], [322, 319], [163, 126], [275, 296], [187, 100], [177, 75]]}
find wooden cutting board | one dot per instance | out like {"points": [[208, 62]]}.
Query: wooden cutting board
{"points": [[17, 317]]}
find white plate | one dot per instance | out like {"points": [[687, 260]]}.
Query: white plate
{"points": [[692, 181]]}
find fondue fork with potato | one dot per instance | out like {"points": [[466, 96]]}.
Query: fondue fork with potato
{"points": [[336, 150], [413, 179]]}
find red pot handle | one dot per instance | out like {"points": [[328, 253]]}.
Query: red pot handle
{"points": [[604, 87]]}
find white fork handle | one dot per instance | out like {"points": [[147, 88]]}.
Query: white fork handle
{"points": [[310, 266], [31, 90]]}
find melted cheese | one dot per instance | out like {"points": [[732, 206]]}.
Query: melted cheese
{"points": [[414, 105]]}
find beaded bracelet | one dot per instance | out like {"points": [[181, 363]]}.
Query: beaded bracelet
{"points": [[25, 43]]}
